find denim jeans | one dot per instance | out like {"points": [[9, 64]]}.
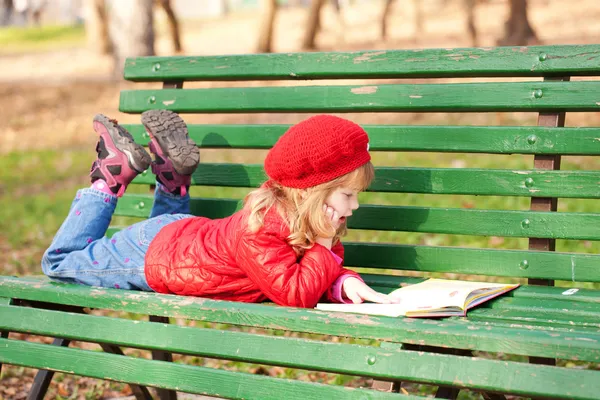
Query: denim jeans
{"points": [[80, 253]]}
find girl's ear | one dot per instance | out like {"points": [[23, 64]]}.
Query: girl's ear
{"points": [[303, 194]]}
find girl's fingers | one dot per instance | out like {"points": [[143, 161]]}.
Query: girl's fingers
{"points": [[355, 298], [335, 216], [375, 297]]}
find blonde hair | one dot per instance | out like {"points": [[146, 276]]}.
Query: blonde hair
{"points": [[302, 209]]}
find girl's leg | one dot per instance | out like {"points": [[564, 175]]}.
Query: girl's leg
{"points": [[166, 203], [176, 157], [79, 251]]}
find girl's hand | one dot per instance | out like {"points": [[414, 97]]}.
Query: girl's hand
{"points": [[357, 291], [334, 217]]}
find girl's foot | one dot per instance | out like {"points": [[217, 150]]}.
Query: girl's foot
{"points": [[176, 156], [120, 159]]}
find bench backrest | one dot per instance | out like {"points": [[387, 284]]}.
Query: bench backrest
{"points": [[393, 228]]}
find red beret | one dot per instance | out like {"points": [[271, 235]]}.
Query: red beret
{"points": [[317, 150]]}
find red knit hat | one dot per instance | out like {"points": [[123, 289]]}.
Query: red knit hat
{"points": [[317, 150]]}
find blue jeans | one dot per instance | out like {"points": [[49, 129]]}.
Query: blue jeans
{"points": [[80, 253]]}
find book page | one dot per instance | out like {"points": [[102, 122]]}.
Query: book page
{"points": [[389, 310], [438, 293], [434, 296]]}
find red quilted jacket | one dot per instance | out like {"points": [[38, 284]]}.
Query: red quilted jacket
{"points": [[220, 259]]}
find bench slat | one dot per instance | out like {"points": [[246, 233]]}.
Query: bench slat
{"points": [[470, 181], [559, 308], [419, 219], [428, 63], [509, 263], [454, 333], [298, 353], [468, 139], [459, 97], [180, 377], [528, 291], [554, 320]]}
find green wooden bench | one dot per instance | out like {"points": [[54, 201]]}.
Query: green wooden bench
{"points": [[525, 343]]}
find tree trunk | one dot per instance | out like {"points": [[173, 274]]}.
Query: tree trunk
{"points": [[265, 38], [131, 30], [96, 26], [470, 9], [7, 12], [386, 10], [418, 18], [312, 25], [517, 30], [173, 24]]}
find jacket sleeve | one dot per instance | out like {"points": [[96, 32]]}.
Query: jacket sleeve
{"points": [[283, 277], [334, 292]]}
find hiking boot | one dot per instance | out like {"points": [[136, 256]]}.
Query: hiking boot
{"points": [[176, 156], [120, 159]]}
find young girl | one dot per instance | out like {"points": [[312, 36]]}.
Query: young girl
{"points": [[282, 246]]}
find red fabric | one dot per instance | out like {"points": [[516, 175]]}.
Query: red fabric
{"points": [[317, 150], [220, 259]]}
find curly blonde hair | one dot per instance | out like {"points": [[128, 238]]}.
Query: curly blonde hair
{"points": [[302, 209]]}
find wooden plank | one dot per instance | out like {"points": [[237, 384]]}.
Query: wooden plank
{"points": [[469, 139], [492, 182], [426, 63], [163, 394], [457, 97], [301, 353], [507, 263], [510, 263], [443, 333], [185, 378], [554, 308], [4, 301], [555, 320], [546, 162], [525, 291], [419, 219], [42, 379]]}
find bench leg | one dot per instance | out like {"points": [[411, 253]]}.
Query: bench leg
{"points": [[44, 377], [3, 335], [444, 392], [140, 392], [386, 386], [4, 301], [163, 394], [493, 396]]}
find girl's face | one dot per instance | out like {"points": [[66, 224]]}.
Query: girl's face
{"points": [[344, 201]]}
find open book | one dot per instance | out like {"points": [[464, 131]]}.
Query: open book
{"points": [[431, 298]]}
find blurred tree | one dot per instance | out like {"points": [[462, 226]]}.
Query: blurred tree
{"points": [[312, 25], [265, 39], [418, 17], [470, 9], [7, 8], [173, 24], [131, 29], [96, 26], [517, 30], [386, 10]]}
